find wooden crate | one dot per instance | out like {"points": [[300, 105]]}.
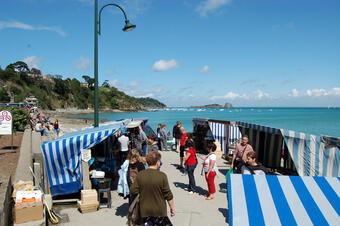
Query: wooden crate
{"points": [[88, 207]]}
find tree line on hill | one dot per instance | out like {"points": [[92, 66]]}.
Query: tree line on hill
{"points": [[19, 81]]}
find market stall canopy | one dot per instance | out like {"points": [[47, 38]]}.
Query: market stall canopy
{"points": [[218, 129], [313, 155], [134, 124], [283, 200], [63, 156]]}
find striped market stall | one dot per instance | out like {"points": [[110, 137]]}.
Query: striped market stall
{"points": [[283, 200], [313, 155], [63, 156], [268, 143], [225, 132]]}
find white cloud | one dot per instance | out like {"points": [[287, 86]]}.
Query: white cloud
{"points": [[335, 91], [157, 90], [316, 92], [82, 63], [147, 95], [134, 84], [229, 95], [294, 93], [32, 61], [260, 94], [164, 65], [210, 5], [205, 69], [322, 92], [113, 83], [20, 25]]}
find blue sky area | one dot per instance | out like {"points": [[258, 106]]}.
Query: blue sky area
{"points": [[187, 52]]}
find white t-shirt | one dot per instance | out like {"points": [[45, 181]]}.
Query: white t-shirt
{"points": [[37, 126], [207, 160], [124, 142]]}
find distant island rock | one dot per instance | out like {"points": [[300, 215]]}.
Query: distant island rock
{"points": [[226, 105]]}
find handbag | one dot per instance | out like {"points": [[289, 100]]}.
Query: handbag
{"points": [[238, 163], [134, 217], [157, 221]]}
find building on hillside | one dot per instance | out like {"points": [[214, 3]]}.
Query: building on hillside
{"points": [[32, 101], [84, 84]]}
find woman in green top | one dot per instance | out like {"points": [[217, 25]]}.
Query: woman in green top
{"points": [[153, 188]]}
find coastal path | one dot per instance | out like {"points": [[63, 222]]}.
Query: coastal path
{"points": [[190, 209]]}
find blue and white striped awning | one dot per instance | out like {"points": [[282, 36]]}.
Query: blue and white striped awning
{"points": [[283, 200], [219, 131], [259, 127], [63, 156], [234, 134], [311, 155]]}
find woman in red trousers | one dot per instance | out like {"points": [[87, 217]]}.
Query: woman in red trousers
{"points": [[210, 170]]}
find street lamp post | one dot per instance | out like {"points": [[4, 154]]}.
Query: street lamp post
{"points": [[97, 30]]}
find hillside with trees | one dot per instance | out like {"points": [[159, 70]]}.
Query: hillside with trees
{"points": [[19, 81]]}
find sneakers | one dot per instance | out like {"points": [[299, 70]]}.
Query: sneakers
{"points": [[191, 192]]}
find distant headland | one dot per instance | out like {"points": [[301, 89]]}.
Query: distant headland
{"points": [[226, 105]]}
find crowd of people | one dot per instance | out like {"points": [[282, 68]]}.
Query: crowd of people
{"points": [[42, 124], [141, 176]]}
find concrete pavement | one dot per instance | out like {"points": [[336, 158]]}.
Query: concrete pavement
{"points": [[190, 209]]}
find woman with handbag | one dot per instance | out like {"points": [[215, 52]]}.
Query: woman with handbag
{"points": [[240, 154], [153, 188]]}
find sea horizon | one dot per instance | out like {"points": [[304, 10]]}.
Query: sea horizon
{"points": [[310, 120]]}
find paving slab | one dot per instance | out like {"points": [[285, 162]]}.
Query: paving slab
{"points": [[190, 209]]}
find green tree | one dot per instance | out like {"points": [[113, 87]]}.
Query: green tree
{"points": [[18, 66], [90, 81], [106, 84]]}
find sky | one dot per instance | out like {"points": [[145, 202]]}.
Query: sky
{"points": [[258, 53]]}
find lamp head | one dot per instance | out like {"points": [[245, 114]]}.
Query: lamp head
{"points": [[128, 26]]}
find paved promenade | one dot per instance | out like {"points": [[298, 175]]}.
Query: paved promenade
{"points": [[190, 209]]}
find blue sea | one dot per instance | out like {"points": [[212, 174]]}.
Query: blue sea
{"points": [[317, 121]]}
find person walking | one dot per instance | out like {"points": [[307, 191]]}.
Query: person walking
{"points": [[182, 146], [56, 128], [210, 169], [153, 144], [158, 138], [240, 154], [124, 147], [153, 188], [176, 133], [191, 163], [144, 140], [163, 138], [135, 166]]}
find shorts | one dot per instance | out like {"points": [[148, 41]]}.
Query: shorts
{"points": [[181, 151]]}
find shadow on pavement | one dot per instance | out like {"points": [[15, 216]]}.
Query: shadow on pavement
{"points": [[225, 213], [223, 171], [199, 189], [122, 210]]}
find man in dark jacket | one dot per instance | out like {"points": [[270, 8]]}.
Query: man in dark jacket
{"points": [[176, 133]]}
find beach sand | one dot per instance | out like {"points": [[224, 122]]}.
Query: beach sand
{"points": [[70, 124], [66, 122]]}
